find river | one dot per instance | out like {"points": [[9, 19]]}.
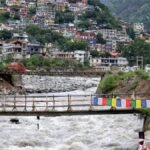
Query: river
{"points": [[104, 132]]}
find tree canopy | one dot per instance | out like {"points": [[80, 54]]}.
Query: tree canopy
{"points": [[5, 34], [137, 48]]}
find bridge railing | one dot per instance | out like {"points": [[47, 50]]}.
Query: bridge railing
{"points": [[35, 103], [43, 103]]}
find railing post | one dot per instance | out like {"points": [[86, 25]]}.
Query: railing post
{"points": [[53, 103], [69, 106], [91, 103], [25, 107], [4, 106], [46, 104], [14, 108], [33, 105]]}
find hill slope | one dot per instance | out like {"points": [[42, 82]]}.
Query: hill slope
{"points": [[131, 10]]}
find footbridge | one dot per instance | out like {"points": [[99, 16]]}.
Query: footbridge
{"points": [[68, 105], [59, 72]]}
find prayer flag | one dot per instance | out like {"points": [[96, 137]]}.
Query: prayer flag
{"points": [[109, 102], [148, 103], [133, 103], [104, 101], [128, 103], [144, 104], [123, 103], [114, 102], [138, 103], [95, 101], [118, 102], [99, 101]]}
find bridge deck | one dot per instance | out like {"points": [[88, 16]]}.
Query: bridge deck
{"points": [[69, 113]]}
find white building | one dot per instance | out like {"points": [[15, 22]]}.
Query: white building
{"points": [[109, 33], [119, 61], [81, 56], [138, 27]]}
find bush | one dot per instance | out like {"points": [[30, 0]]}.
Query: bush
{"points": [[109, 82], [142, 74]]}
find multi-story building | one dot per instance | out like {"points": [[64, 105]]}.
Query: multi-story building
{"points": [[138, 27], [62, 55], [118, 61], [81, 56], [14, 2], [108, 33], [111, 44]]}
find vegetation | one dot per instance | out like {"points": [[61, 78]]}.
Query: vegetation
{"points": [[4, 62], [2, 66], [99, 14], [4, 17], [131, 33], [145, 111], [100, 39], [38, 62], [44, 35], [137, 48], [32, 11], [75, 45], [49, 36], [5, 34], [127, 9], [66, 16], [111, 81], [3, 2], [94, 53]]}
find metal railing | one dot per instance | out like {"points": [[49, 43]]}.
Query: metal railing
{"points": [[36, 103]]}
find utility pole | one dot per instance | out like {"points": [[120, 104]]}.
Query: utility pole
{"points": [[139, 61]]}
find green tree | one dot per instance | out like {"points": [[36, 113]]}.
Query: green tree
{"points": [[33, 29], [3, 2], [95, 53], [76, 45], [4, 17], [137, 48], [16, 16], [100, 14], [5, 35], [66, 16], [100, 39], [32, 11], [131, 33]]}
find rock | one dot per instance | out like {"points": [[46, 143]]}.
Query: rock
{"points": [[14, 120], [47, 84], [147, 123]]}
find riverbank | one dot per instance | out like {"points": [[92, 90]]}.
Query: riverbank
{"points": [[132, 85], [126, 85]]}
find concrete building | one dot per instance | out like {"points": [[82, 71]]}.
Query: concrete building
{"points": [[119, 61], [81, 56], [138, 27]]}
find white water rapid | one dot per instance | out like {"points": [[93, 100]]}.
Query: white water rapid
{"points": [[99, 132]]}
